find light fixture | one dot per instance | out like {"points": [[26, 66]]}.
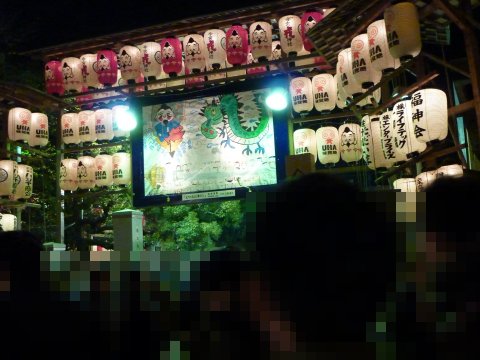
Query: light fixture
{"points": [[126, 121], [277, 99]]}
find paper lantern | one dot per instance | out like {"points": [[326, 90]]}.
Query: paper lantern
{"points": [[237, 45], [404, 136], [196, 81], [104, 124], [276, 53], [172, 60], [8, 222], [362, 68], [69, 123], [19, 124], [117, 112], [290, 34], [72, 74], [68, 174], [403, 30], [405, 185], [454, 170], [106, 67], [25, 182], [130, 62], [103, 170], [425, 179], [252, 60], [328, 145], [308, 21], [86, 172], [301, 94], [86, 126], [305, 141], [54, 78], [371, 143], [38, 130], [350, 85], [122, 168], [89, 75], [8, 177], [151, 59], [350, 142], [195, 53], [341, 96], [261, 40], [430, 115], [380, 56], [324, 88], [215, 42], [387, 139]]}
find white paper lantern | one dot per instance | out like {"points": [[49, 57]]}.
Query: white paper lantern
{"points": [[8, 222], [341, 96], [130, 62], [89, 75], [301, 95], [104, 124], [38, 130], [404, 137], [86, 172], [8, 177], [69, 123], [380, 56], [403, 30], [371, 144], [215, 43], [405, 185], [344, 70], [454, 170], [68, 174], [72, 74], [290, 34], [261, 40], [425, 179], [324, 87], [151, 59], [122, 168], [350, 142], [195, 53], [103, 170], [86, 126], [328, 145], [118, 111], [387, 139], [19, 124], [25, 182], [276, 54], [304, 141], [430, 115], [362, 68]]}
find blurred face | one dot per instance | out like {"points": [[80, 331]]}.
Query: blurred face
{"points": [[165, 115]]}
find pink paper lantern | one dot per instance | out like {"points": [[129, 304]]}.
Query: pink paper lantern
{"points": [[237, 45], [106, 67], [54, 78], [195, 53], [308, 21], [172, 60], [196, 81], [261, 40]]}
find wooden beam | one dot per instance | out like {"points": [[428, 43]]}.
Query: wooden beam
{"points": [[463, 107], [446, 64]]}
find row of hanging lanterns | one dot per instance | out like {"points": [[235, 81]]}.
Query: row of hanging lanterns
{"points": [[23, 125], [425, 179], [8, 222], [86, 172], [16, 180]]}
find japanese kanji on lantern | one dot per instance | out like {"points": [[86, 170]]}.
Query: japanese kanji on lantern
{"points": [[328, 145], [405, 185], [90, 77], [38, 130], [54, 78], [72, 74], [324, 88], [172, 60], [261, 40], [86, 172], [106, 67], [403, 130], [237, 45], [151, 60], [86, 126], [122, 168], [8, 177], [425, 179], [302, 95], [19, 124], [290, 34], [118, 111], [380, 56], [195, 53], [68, 174], [454, 170], [371, 144], [8, 222], [350, 142], [430, 115], [304, 141], [130, 62], [104, 124], [70, 126], [350, 85], [387, 139], [362, 68], [403, 30], [215, 42], [103, 170], [309, 20], [25, 182]]}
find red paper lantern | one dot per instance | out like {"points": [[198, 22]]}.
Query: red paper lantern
{"points": [[172, 60], [237, 45], [106, 67], [54, 78], [308, 21]]}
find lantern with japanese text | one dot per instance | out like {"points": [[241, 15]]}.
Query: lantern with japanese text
{"points": [[454, 170], [380, 56], [90, 77], [261, 40], [215, 42], [103, 170], [405, 185], [104, 124], [387, 139], [405, 141], [403, 30], [252, 60], [68, 174], [72, 74], [38, 130], [54, 78], [130, 62], [324, 88], [362, 68], [371, 144], [301, 94], [237, 45], [122, 168], [86, 172], [70, 125], [276, 54], [25, 182], [151, 60], [328, 145], [86, 126], [309, 20], [341, 98], [350, 142], [118, 111], [8, 222], [172, 60], [430, 115], [8, 177], [106, 67], [350, 85], [425, 179], [290, 34], [19, 124], [305, 141]]}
